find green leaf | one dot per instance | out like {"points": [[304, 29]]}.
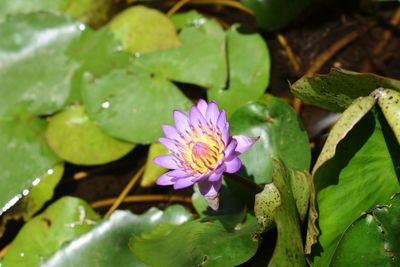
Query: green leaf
{"points": [[93, 12], [373, 239], [132, 106], [249, 70], [214, 241], [281, 134], [350, 117], [389, 101], [337, 90], [187, 19], [363, 173], [265, 204], [36, 197], [289, 246], [274, 14], [39, 238], [25, 157], [76, 139], [151, 170], [200, 60], [141, 29], [33, 46], [107, 243]]}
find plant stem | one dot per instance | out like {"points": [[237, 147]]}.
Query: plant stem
{"points": [[246, 182]]}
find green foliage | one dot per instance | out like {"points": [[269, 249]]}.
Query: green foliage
{"points": [[107, 243], [61, 222], [91, 145], [141, 29], [337, 90], [280, 134], [153, 171], [372, 239], [213, 241]]}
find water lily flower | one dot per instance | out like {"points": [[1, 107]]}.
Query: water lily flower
{"points": [[201, 150]]}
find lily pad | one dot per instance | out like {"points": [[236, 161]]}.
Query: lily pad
{"points": [[200, 60], [39, 238], [76, 139], [141, 29], [107, 243], [378, 232], [281, 134], [25, 157], [33, 46], [204, 242], [337, 90], [151, 170], [363, 173], [132, 106], [249, 70], [36, 197], [93, 12], [274, 14]]}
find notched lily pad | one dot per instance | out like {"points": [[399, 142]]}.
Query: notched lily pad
{"points": [[141, 29], [132, 106], [200, 60], [76, 139], [249, 72]]}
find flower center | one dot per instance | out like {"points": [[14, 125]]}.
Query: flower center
{"points": [[204, 154]]}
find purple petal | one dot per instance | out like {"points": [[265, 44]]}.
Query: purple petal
{"points": [[171, 177], [171, 132], [230, 149], [166, 161], [244, 142], [225, 134], [202, 106], [212, 113], [169, 144], [233, 166], [182, 183], [217, 174], [196, 118], [210, 189], [221, 122], [181, 121]]}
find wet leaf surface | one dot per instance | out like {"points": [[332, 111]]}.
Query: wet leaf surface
{"points": [[107, 243], [132, 106], [61, 222]]}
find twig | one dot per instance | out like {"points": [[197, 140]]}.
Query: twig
{"points": [[289, 53], [320, 61], [176, 7], [245, 182], [142, 198], [125, 192], [4, 251]]}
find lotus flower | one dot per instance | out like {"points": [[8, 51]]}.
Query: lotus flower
{"points": [[201, 150]]}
